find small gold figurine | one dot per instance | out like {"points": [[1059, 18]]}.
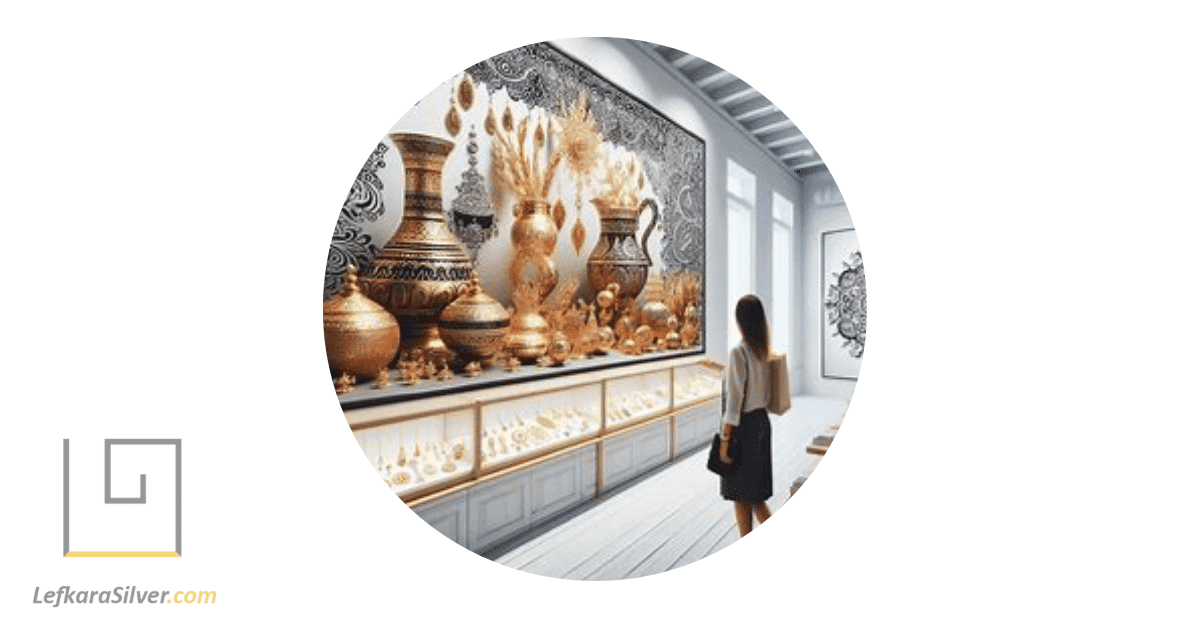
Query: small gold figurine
{"points": [[343, 384], [512, 365], [444, 374], [381, 378], [473, 369]]}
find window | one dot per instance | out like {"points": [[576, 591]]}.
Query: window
{"points": [[781, 275], [741, 191]]}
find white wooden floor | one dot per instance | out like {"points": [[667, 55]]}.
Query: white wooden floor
{"points": [[670, 518]]}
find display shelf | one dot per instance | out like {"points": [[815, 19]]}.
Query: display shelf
{"points": [[635, 398], [419, 454], [530, 425], [696, 382]]}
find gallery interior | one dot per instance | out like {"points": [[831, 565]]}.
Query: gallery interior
{"points": [[529, 302]]}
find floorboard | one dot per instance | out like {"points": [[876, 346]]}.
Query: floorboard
{"points": [[672, 517]]}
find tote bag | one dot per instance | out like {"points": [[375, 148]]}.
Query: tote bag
{"points": [[779, 400]]}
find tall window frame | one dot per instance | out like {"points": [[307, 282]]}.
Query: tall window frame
{"points": [[782, 265], [741, 193]]}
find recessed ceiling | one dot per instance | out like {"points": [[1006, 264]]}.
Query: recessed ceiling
{"points": [[745, 107]]}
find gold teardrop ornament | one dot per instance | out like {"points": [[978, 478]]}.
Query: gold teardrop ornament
{"points": [[466, 92], [539, 138], [560, 214], [453, 122], [578, 233], [506, 120], [489, 123]]}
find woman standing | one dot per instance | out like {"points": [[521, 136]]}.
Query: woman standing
{"points": [[747, 386]]}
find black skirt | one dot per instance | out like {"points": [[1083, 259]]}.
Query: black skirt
{"points": [[752, 481]]}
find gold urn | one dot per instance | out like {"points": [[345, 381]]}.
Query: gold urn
{"points": [[361, 337], [533, 276], [474, 325], [423, 267], [618, 258]]}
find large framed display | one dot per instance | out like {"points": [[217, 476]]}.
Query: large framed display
{"points": [[527, 220], [844, 335]]}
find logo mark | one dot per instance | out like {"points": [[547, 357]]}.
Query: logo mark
{"points": [[156, 513]]}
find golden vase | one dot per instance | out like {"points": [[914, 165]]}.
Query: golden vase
{"points": [[360, 336], [423, 267], [533, 276], [618, 258]]}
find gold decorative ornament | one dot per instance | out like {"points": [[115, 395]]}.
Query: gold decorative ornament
{"points": [[343, 384], [474, 326], [629, 346], [559, 349], [644, 337], [361, 337], [607, 338], [672, 340], [473, 369], [466, 92], [657, 315], [381, 379], [559, 214], [423, 267], [449, 467], [618, 258], [512, 365], [690, 332]]}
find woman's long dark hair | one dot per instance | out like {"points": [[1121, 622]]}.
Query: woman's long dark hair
{"points": [[752, 321]]}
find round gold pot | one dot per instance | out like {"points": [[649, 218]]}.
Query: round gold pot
{"points": [[474, 325], [360, 336]]}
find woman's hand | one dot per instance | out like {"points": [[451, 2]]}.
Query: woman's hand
{"points": [[725, 459]]}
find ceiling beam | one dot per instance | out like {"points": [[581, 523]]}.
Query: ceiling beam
{"points": [[769, 122], [803, 149], [734, 92], [757, 106], [781, 138]]}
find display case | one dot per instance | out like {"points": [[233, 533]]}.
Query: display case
{"points": [[419, 454], [635, 398], [696, 382], [485, 465], [525, 426]]}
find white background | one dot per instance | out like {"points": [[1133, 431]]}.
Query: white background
{"points": [[1022, 175]]}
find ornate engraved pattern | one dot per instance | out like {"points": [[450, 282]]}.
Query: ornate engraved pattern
{"points": [[846, 305], [671, 157], [364, 203]]}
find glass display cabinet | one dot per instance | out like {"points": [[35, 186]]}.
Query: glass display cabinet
{"points": [[415, 455], [696, 382], [431, 449], [526, 426], [636, 398]]}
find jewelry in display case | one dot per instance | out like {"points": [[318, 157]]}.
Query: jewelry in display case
{"points": [[697, 381], [637, 397], [524, 426], [418, 454]]}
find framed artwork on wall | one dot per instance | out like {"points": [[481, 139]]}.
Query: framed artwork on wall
{"points": [[844, 306]]}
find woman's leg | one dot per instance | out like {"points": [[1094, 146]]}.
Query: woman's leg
{"points": [[741, 512], [762, 511]]}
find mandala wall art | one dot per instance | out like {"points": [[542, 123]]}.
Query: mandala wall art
{"points": [[845, 305]]}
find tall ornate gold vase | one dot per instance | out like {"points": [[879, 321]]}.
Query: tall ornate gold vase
{"points": [[423, 267], [533, 276], [618, 258]]}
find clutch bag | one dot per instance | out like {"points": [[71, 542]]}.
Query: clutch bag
{"points": [[714, 457]]}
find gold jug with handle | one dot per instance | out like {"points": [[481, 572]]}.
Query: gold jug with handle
{"points": [[618, 258]]}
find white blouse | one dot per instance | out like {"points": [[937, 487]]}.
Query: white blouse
{"points": [[746, 383]]}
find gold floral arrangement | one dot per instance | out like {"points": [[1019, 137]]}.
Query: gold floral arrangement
{"points": [[623, 182], [521, 166], [681, 289]]}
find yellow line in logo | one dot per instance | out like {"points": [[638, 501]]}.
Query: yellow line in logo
{"points": [[122, 555]]}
